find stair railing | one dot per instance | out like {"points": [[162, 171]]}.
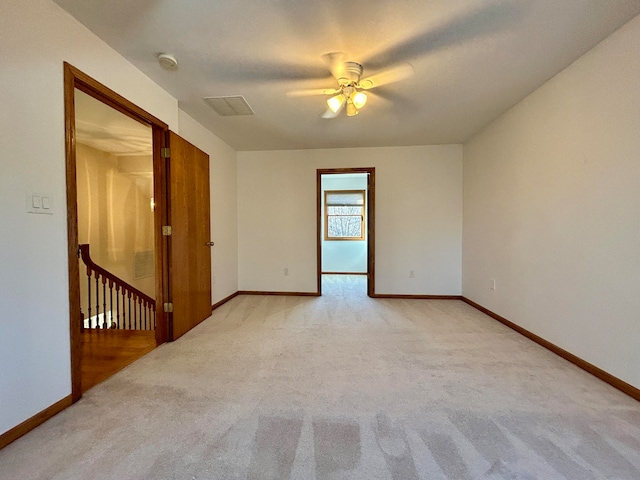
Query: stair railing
{"points": [[112, 302]]}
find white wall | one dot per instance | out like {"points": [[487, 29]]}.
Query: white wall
{"points": [[344, 255], [224, 206], [418, 217], [36, 36], [552, 209]]}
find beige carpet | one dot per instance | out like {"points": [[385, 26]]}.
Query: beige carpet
{"points": [[341, 387]]}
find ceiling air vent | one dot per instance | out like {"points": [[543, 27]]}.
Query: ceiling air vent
{"points": [[229, 106]]}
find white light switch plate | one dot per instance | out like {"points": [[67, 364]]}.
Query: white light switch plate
{"points": [[40, 203]]}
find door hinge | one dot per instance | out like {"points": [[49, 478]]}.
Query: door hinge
{"points": [[166, 230], [168, 307], [165, 152]]}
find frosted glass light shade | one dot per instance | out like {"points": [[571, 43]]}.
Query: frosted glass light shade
{"points": [[359, 99], [336, 103]]}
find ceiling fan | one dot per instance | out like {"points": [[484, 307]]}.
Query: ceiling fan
{"points": [[350, 93]]}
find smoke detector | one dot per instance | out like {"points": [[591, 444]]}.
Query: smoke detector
{"points": [[167, 61]]}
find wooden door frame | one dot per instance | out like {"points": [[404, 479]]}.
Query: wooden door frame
{"points": [[371, 227], [75, 79]]}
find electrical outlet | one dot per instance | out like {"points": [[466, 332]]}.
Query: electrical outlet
{"points": [[412, 274], [213, 280], [286, 272], [492, 284]]}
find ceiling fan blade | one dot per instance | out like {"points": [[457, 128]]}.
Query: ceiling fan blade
{"points": [[388, 98], [335, 63], [331, 114], [380, 98], [264, 71], [470, 24], [391, 75], [312, 91]]}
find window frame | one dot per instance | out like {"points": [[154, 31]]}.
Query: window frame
{"points": [[363, 207]]}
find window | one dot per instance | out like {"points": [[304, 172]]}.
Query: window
{"points": [[344, 214]]}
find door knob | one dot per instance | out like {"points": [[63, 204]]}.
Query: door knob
{"points": [[210, 244]]}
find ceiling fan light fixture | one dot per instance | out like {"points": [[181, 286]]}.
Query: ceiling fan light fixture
{"points": [[350, 94], [336, 103], [359, 99]]}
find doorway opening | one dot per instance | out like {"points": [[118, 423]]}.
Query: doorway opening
{"points": [[346, 227], [114, 180], [116, 206]]}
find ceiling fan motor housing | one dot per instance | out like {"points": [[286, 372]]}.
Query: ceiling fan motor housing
{"points": [[351, 74]]}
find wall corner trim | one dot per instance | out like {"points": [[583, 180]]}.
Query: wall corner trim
{"points": [[29, 424], [224, 300], [287, 294], [615, 382], [416, 297]]}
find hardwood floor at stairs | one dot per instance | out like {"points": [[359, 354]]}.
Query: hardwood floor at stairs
{"points": [[105, 352]]}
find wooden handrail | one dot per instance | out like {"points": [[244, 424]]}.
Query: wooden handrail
{"points": [[113, 280]]}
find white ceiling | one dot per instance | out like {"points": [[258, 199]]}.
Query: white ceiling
{"points": [[473, 60]]}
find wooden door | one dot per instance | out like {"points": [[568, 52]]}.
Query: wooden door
{"points": [[189, 252]]}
